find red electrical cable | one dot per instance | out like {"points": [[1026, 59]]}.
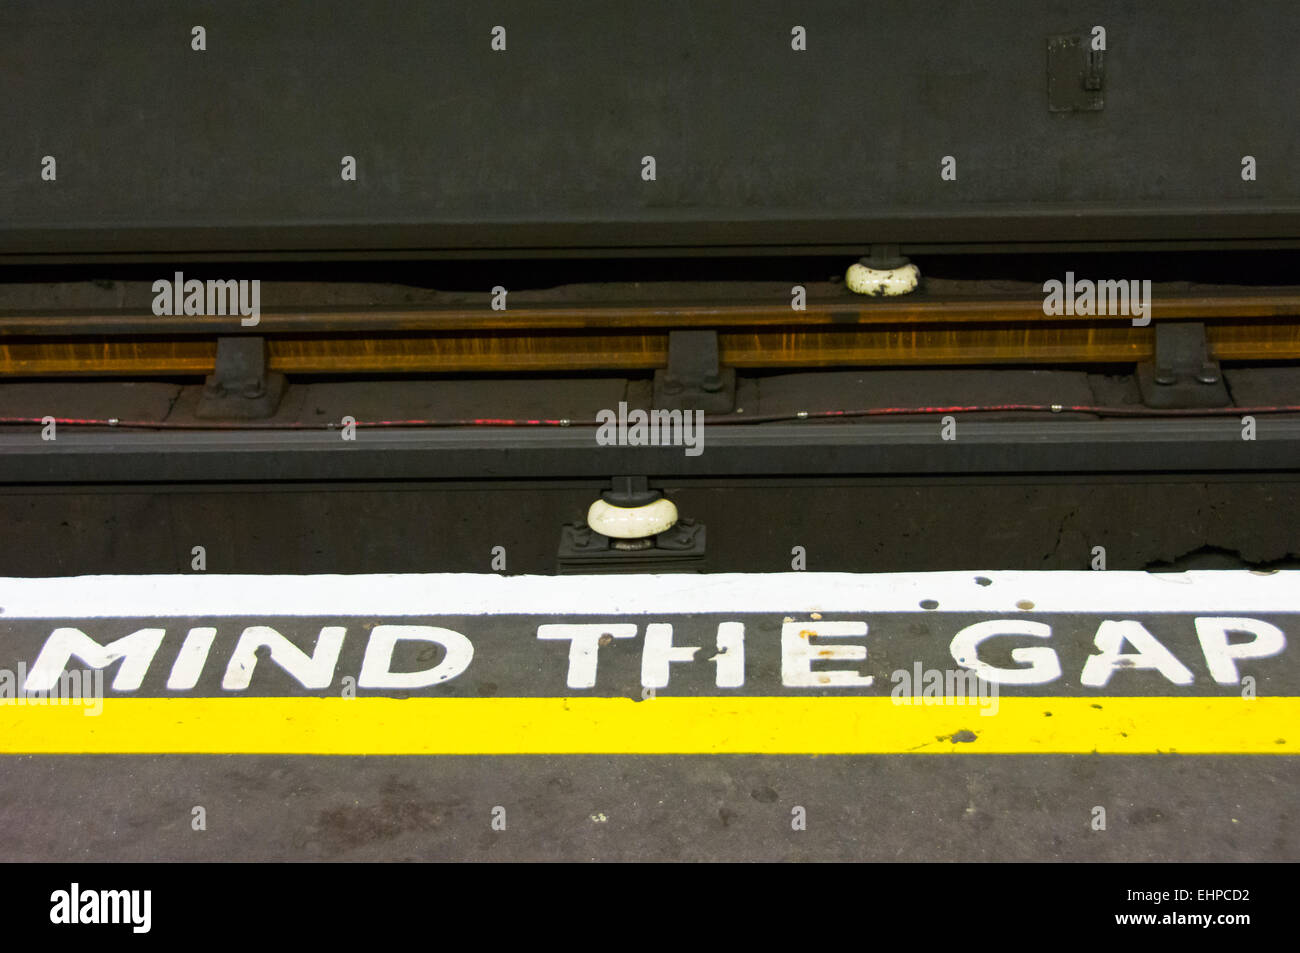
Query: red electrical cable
{"points": [[720, 419]]}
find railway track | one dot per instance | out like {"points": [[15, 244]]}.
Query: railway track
{"points": [[964, 323]]}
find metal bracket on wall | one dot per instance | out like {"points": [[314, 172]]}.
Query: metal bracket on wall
{"points": [[1075, 74], [1182, 374], [694, 380], [680, 548], [240, 387]]}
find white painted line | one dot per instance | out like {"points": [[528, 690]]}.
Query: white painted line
{"points": [[1218, 592]]}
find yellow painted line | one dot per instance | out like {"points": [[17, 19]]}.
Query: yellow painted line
{"points": [[737, 725]]}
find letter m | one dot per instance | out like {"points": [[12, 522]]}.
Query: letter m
{"points": [[118, 902], [1109, 295], [963, 684], [135, 651], [222, 297], [665, 428], [70, 684]]}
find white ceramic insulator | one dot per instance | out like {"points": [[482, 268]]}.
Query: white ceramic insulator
{"points": [[882, 281], [632, 522]]}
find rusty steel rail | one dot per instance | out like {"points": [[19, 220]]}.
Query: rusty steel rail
{"points": [[834, 330]]}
